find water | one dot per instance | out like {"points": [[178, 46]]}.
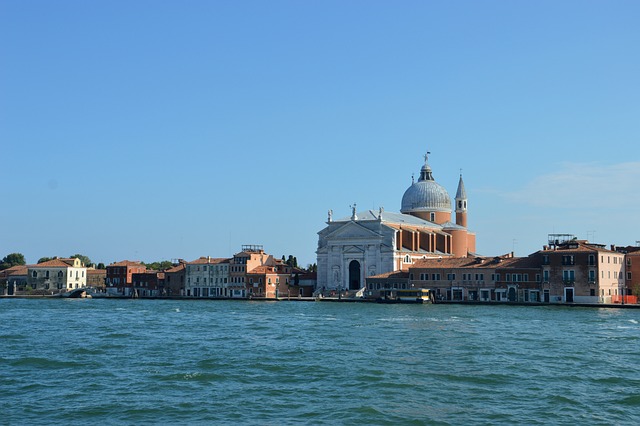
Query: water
{"points": [[239, 362]]}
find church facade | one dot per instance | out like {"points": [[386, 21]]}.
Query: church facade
{"points": [[371, 242]]}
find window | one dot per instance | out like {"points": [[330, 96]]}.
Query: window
{"points": [[568, 276], [46, 274], [545, 259], [525, 277], [508, 277], [628, 275], [592, 292], [451, 277], [546, 276], [433, 217], [592, 260], [592, 276], [537, 278]]}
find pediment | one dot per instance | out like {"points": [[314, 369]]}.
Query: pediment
{"points": [[352, 230], [352, 250]]}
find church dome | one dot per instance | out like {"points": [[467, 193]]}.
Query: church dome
{"points": [[426, 194]]}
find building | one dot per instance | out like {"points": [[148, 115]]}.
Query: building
{"points": [[148, 284], [272, 281], [632, 273], [578, 271], [370, 243], [174, 279], [120, 277], [567, 270], [249, 258], [96, 278], [13, 279], [56, 275], [207, 277]]}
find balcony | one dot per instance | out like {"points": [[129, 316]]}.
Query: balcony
{"points": [[569, 282]]}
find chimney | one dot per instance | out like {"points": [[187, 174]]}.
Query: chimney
{"points": [[613, 247]]}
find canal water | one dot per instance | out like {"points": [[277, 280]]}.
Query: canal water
{"points": [[240, 362]]}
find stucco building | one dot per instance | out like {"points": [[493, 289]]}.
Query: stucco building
{"points": [[57, 275], [207, 277], [370, 243]]}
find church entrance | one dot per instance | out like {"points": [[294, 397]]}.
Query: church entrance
{"points": [[354, 275]]}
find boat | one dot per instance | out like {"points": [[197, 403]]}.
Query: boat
{"points": [[417, 295]]}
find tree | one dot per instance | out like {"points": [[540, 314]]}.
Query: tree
{"points": [[101, 266], [312, 267], [12, 259], [45, 259], [159, 266], [84, 259]]}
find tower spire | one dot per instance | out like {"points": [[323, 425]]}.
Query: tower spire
{"points": [[461, 203]]}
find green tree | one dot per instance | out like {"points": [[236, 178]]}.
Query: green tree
{"points": [[84, 259], [101, 266], [45, 259], [159, 266], [312, 267], [12, 259]]}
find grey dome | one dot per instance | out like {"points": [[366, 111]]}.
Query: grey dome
{"points": [[426, 194]]}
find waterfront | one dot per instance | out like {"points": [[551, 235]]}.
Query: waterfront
{"points": [[240, 362]]}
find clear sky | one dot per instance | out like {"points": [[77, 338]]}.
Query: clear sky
{"points": [[155, 130]]}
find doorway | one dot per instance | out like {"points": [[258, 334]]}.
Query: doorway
{"points": [[354, 275], [568, 295]]}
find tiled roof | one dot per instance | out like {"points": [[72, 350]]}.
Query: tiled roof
{"points": [[209, 260], [461, 262], [127, 263], [14, 270], [53, 263], [96, 272], [393, 274], [176, 268]]}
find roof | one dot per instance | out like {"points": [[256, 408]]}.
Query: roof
{"points": [[91, 271], [127, 263], [461, 193], [426, 194], [53, 263], [14, 270], [392, 218], [576, 246], [176, 268], [209, 260], [476, 262], [393, 274]]}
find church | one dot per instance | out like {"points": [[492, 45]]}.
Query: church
{"points": [[377, 242]]}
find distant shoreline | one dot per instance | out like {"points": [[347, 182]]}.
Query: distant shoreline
{"points": [[342, 300]]}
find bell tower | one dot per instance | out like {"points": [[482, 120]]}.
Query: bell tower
{"points": [[461, 204]]}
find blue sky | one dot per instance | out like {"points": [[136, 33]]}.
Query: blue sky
{"points": [[156, 130]]}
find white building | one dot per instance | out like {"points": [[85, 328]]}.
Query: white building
{"points": [[207, 277], [370, 243], [57, 275]]}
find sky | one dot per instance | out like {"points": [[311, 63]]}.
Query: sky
{"points": [[156, 130]]}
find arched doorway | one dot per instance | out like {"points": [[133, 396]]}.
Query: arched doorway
{"points": [[354, 275], [511, 294]]}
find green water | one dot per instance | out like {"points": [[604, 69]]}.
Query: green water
{"points": [[238, 362]]}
